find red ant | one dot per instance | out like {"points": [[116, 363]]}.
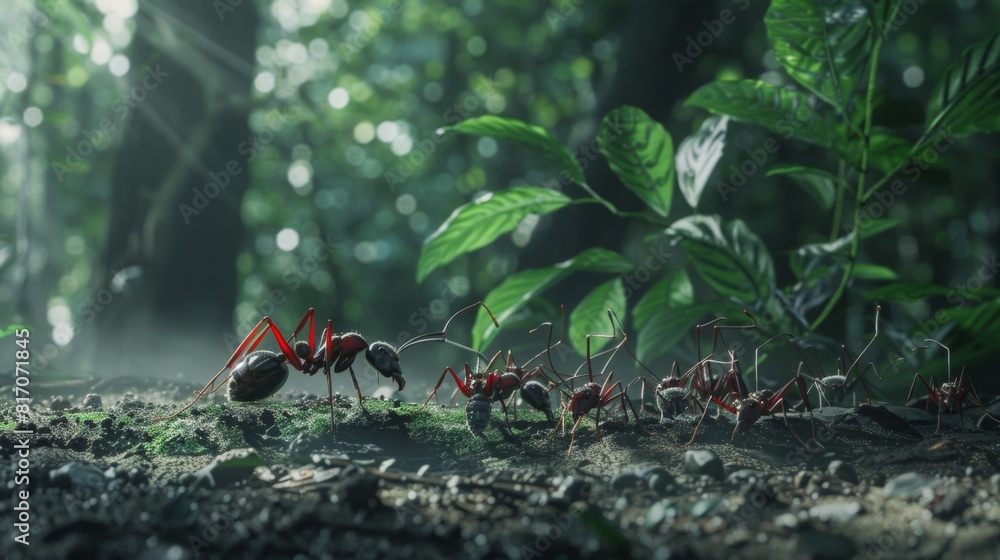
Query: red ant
{"points": [[949, 396], [703, 381], [483, 388], [591, 395], [258, 375], [750, 407]]}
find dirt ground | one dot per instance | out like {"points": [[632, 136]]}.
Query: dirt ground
{"points": [[274, 480]]}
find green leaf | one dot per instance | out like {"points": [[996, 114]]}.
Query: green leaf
{"points": [[820, 184], [518, 289], [816, 261], [823, 45], [864, 271], [477, 224], [534, 137], [875, 227], [640, 151], [590, 316], [735, 263], [697, 156], [781, 110], [908, 292], [662, 313], [11, 329], [978, 328], [967, 100]]}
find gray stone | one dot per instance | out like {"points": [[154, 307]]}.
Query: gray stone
{"points": [[836, 511], [910, 485], [231, 467], [59, 403], [625, 480], [843, 471], [572, 489], [78, 474], [742, 476], [92, 400], [704, 462], [950, 505]]}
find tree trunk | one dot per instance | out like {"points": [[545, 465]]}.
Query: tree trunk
{"points": [[168, 288]]}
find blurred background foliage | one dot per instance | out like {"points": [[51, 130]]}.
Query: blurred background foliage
{"points": [[348, 174]]}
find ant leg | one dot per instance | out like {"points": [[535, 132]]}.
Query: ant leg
{"points": [[930, 394], [572, 435], [310, 317], [328, 344]]}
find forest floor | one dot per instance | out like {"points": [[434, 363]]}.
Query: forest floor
{"points": [[273, 480]]}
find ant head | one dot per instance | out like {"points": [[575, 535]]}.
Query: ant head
{"points": [[748, 411], [385, 359]]}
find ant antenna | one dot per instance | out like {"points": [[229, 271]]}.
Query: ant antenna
{"points": [[441, 336], [697, 333], [718, 328], [756, 355], [548, 349], [948, 350], [878, 308]]}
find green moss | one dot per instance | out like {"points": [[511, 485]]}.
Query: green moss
{"points": [[180, 436], [434, 426], [7, 426], [81, 417]]}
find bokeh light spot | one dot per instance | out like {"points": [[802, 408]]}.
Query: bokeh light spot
{"points": [[287, 239]]}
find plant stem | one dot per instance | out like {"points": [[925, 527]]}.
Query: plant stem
{"points": [[859, 195], [620, 213], [838, 209]]}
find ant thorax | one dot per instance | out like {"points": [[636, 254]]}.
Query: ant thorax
{"points": [[584, 399], [670, 400], [752, 401], [948, 398]]}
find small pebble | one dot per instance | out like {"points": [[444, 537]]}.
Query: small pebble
{"points": [[137, 477], [231, 467], [59, 403], [950, 505], [742, 476], [802, 479], [787, 520], [92, 400], [843, 471], [572, 489], [836, 511], [704, 462], [76, 474], [660, 482], [910, 485], [625, 480]]}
